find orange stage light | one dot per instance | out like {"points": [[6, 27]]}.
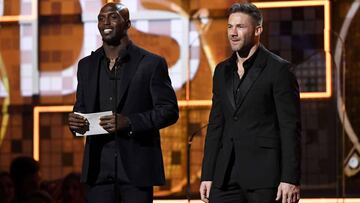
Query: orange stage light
{"points": [[327, 27]]}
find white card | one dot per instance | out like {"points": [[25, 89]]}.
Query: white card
{"points": [[94, 120]]}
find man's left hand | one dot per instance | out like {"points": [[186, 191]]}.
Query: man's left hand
{"points": [[108, 122], [288, 193]]}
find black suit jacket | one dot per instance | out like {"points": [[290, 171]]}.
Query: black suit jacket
{"points": [[263, 130], [146, 97]]}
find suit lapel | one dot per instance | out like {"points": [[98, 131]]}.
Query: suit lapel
{"points": [[251, 77], [230, 67], [128, 70], [93, 79]]}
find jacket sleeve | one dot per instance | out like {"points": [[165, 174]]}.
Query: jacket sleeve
{"points": [[79, 102], [287, 102], [165, 111], [214, 132]]}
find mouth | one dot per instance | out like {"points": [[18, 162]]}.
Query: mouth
{"points": [[234, 41], [107, 31]]}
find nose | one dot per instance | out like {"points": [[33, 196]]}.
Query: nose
{"points": [[232, 31], [107, 21]]}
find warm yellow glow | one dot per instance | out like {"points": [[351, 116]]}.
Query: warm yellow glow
{"points": [[13, 18], [6, 103], [282, 4], [22, 18], [209, 55], [328, 74], [47, 109], [36, 126], [36, 134], [315, 95], [327, 26], [16, 18], [194, 103]]}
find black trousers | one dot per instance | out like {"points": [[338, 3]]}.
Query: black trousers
{"points": [[235, 194], [104, 193], [232, 192]]}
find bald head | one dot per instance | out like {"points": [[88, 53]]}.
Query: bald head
{"points": [[119, 7], [113, 23]]}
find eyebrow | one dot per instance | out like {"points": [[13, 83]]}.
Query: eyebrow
{"points": [[236, 24], [109, 12]]}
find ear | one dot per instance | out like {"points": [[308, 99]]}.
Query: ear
{"points": [[258, 30], [128, 24]]}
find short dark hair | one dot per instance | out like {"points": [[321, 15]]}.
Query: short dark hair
{"points": [[247, 8]]}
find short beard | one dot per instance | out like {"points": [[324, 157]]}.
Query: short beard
{"points": [[112, 42], [244, 51]]}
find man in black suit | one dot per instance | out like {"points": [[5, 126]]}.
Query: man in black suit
{"points": [[252, 148], [146, 102]]}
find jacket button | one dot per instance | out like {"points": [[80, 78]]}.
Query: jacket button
{"points": [[236, 118]]}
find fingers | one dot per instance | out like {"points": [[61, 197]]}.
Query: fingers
{"points": [[204, 197], [205, 191], [279, 193], [296, 195], [288, 193], [107, 118], [109, 127], [283, 194], [77, 123], [202, 192], [290, 196], [289, 199], [284, 198], [108, 123], [293, 199], [76, 119]]}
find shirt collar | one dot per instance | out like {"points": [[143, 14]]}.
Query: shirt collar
{"points": [[248, 62], [103, 55]]}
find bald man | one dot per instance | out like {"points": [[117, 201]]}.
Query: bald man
{"points": [[135, 85]]}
